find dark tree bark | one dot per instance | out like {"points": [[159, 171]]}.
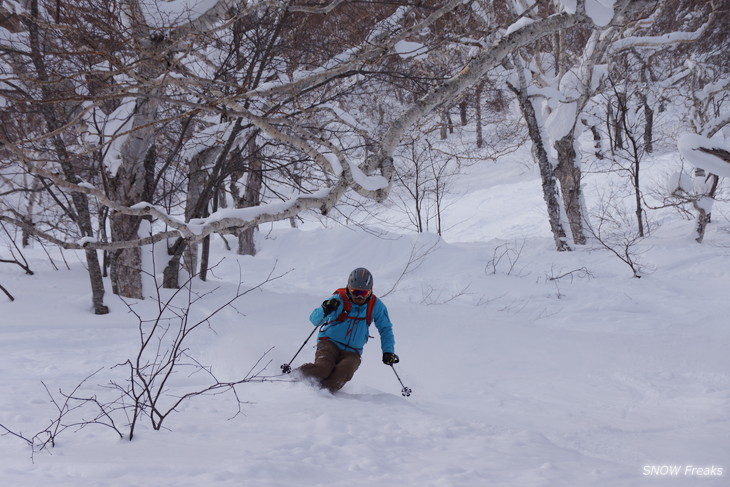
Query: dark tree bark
{"points": [[703, 218], [251, 197], [50, 112], [198, 174], [616, 121], [597, 142], [478, 114], [547, 175], [648, 126], [569, 175], [127, 188]]}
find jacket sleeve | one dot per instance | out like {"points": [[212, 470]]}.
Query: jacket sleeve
{"points": [[318, 313], [384, 326]]}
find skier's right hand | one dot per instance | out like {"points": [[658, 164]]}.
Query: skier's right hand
{"points": [[330, 305]]}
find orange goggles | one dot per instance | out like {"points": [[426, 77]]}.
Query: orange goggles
{"points": [[360, 293]]}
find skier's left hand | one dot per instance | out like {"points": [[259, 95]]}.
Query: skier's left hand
{"points": [[390, 358]]}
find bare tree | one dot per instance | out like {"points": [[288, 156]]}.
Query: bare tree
{"points": [[163, 354], [423, 176], [699, 84], [628, 158], [563, 75], [611, 226], [71, 414], [134, 74], [154, 388], [52, 111], [545, 162]]}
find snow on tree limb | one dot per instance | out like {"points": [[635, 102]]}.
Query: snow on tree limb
{"points": [[475, 70], [324, 10], [665, 40], [85, 242], [659, 42], [710, 155], [369, 176], [718, 123], [200, 16], [381, 42], [196, 229]]}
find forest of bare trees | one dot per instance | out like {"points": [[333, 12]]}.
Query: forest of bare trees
{"points": [[132, 122]]}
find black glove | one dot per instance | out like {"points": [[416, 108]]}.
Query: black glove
{"points": [[330, 305], [390, 358]]}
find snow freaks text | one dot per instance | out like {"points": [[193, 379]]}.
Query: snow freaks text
{"points": [[682, 471]]}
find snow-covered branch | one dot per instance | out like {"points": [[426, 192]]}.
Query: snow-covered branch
{"points": [[665, 40], [314, 9], [474, 71], [380, 42], [711, 155], [220, 221], [658, 42]]}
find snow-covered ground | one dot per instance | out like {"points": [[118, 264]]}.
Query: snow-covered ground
{"points": [[528, 367]]}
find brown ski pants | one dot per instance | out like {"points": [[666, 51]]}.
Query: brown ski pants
{"points": [[332, 367]]}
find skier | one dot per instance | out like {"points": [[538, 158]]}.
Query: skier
{"points": [[349, 312]]}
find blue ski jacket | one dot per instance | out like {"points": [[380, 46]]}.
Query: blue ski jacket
{"points": [[352, 334]]}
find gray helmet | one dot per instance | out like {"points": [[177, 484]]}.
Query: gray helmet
{"points": [[360, 278]]}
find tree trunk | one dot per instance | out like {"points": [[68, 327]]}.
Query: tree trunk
{"points": [[703, 218], [197, 179], [97, 283], [205, 259], [618, 121], [25, 240], [637, 200], [129, 187], [133, 180], [205, 251], [478, 114], [53, 114], [443, 130], [597, 142], [569, 175], [648, 127], [704, 208], [132, 184], [28, 218], [252, 196], [171, 274], [547, 175], [125, 265]]}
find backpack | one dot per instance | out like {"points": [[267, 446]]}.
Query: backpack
{"points": [[347, 306]]}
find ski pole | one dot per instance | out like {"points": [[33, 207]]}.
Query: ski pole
{"points": [[286, 368], [406, 391]]}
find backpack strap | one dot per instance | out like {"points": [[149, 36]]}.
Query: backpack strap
{"points": [[347, 306]]}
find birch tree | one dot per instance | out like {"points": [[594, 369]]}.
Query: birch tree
{"points": [[29, 41], [157, 73], [144, 57], [687, 42], [554, 84]]}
